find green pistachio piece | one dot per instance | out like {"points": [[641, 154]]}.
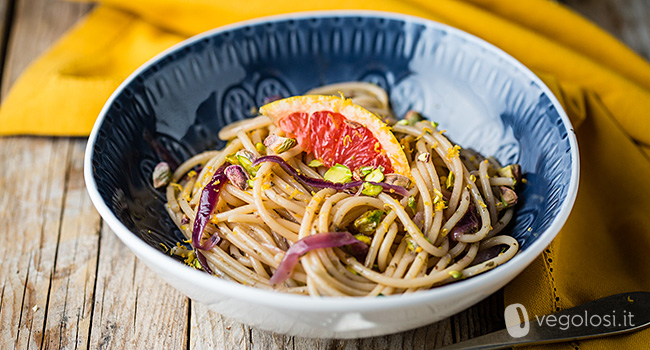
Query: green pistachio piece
{"points": [[247, 164], [232, 159], [279, 144], [338, 174], [367, 223], [376, 175], [315, 163], [411, 202], [512, 171], [371, 190], [365, 170], [456, 274], [260, 148]]}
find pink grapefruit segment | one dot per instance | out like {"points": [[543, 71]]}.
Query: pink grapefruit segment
{"points": [[337, 131]]}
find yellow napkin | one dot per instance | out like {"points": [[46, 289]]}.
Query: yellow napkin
{"points": [[605, 88]]}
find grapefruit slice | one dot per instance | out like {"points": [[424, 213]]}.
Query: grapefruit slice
{"points": [[337, 131]]}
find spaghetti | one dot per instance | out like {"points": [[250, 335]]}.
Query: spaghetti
{"points": [[275, 222]]}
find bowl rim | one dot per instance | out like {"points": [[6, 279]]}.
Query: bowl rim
{"points": [[288, 301]]}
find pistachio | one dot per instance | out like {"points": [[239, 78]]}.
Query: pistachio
{"points": [[424, 157], [338, 174], [456, 274], [232, 159], [397, 180], [279, 144], [371, 190], [237, 176], [365, 170], [246, 159], [411, 245], [246, 154], [376, 175], [411, 202], [162, 175], [361, 172], [413, 117], [315, 163], [512, 171], [260, 148], [367, 223], [508, 196]]}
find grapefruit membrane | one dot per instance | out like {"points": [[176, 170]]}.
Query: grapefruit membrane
{"points": [[337, 131]]}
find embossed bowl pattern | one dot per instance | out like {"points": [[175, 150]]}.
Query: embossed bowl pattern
{"points": [[173, 107]]}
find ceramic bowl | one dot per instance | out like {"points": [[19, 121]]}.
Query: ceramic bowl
{"points": [[173, 107]]}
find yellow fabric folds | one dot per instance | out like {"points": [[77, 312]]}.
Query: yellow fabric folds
{"points": [[604, 87]]}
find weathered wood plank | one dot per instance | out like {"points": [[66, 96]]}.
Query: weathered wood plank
{"points": [[33, 193], [33, 187], [72, 287], [37, 24], [625, 19], [5, 20], [134, 309]]}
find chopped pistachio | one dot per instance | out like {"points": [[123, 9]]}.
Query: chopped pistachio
{"points": [[260, 148], [246, 159], [424, 157], [371, 190], [279, 144], [367, 223], [237, 176], [513, 171], [413, 117], [449, 182], [250, 183], [232, 159], [508, 196], [411, 245], [315, 163], [338, 174], [456, 274], [162, 175], [363, 238], [247, 154], [411, 202], [365, 170], [397, 180], [376, 175]]}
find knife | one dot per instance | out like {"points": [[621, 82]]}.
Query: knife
{"points": [[615, 314]]}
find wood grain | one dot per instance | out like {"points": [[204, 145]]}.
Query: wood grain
{"points": [[134, 309], [30, 225]]}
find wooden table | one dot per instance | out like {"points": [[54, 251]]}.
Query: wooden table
{"points": [[66, 281]]}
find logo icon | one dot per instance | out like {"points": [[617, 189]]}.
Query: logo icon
{"points": [[516, 318]]}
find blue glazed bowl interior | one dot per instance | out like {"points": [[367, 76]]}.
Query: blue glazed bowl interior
{"points": [[174, 107]]}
